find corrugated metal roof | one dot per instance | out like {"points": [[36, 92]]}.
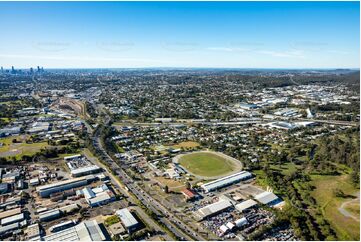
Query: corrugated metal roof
{"points": [[61, 183], [4, 229], [48, 214], [240, 222], [9, 213], [85, 231], [245, 205], [85, 169], [266, 197], [214, 208], [126, 217], [13, 219], [224, 181]]}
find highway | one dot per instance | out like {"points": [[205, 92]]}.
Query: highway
{"points": [[250, 121], [178, 228], [334, 122]]}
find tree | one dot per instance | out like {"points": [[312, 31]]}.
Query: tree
{"points": [[338, 193], [166, 189]]}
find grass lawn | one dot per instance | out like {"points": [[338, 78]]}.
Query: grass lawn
{"points": [[7, 119], [206, 164], [286, 168], [260, 178], [10, 149], [353, 208], [173, 185], [111, 220], [186, 145], [346, 228]]}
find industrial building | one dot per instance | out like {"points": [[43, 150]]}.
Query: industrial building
{"points": [[62, 226], [69, 208], [4, 188], [46, 190], [128, 220], [226, 181], [9, 213], [34, 181], [6, 230], [12, 219], [33, 232], [97, 196], [189, 194], [248, 106], [49, 215], [282, 125], [80, 166], [268, 198], [85, 231], [10, 131], [87, 170], [213, 209], [72, 157], [241, 222], [245, 205]]}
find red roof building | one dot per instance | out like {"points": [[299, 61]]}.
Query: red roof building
{"points": [[189, 194]]}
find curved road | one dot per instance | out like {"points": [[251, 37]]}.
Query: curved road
{"points": [[347, 213]]}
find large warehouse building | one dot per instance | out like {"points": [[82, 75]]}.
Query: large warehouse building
{"points": [[226, 181], [85, 231], [213, 209], [87, 170], [46, 190], [269, 198]]}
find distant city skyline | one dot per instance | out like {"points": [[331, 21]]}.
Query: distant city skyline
{"points": [[283, 35]]}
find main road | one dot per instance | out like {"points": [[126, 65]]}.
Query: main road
{"points": [[175, 225]]}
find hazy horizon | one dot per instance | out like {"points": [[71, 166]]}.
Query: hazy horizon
{"points": [[274, 35]]}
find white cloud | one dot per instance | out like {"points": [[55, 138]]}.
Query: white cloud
{"points": [[287, 54], [338, 52], [227, 49], [80, 58]]}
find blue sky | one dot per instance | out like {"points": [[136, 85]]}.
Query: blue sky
{"points": [[180, 34]]}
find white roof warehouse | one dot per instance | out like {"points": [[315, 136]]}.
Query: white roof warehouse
{"points": [[226, 181], [213, 208], [85, 231], [46, 190], [128, 220]]}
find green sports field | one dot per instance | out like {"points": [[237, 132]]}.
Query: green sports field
{"points": [[207, 164]]}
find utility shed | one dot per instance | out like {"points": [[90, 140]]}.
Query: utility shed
{"points": [[241, 222]]}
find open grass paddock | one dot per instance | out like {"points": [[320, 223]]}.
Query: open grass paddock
{"points": [[208, 164]]}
